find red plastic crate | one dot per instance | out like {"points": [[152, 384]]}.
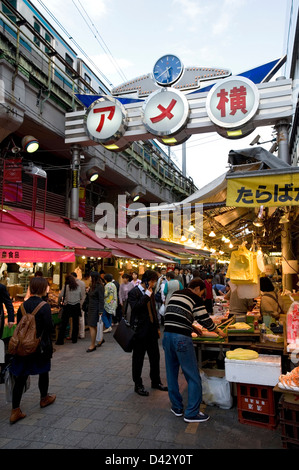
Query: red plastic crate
{"points": [[289, 421], [256, 405]]}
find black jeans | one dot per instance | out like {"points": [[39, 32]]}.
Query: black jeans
{"points": [[73, 311], [43, 385], [141, 346]]}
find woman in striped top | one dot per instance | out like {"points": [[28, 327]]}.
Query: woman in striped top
{"points": [[185, 307]]}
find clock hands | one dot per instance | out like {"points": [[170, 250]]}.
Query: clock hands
{"points": [[166, 71]]}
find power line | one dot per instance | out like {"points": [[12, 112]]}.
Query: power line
{"points": [[110, 56], [73, 40]]}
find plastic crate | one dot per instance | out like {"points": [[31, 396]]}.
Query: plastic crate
{"points": [[289, 421], [256, 405]]}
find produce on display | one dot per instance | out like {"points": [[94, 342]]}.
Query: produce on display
{"points": [[242, 354]]}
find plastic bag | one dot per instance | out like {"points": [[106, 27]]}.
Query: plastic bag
{"points": [[99, 336], [216, 391], [248, 291], [162, 310], [9, 380]]}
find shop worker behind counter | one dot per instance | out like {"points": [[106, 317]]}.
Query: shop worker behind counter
{"points": [[238, 307], [145, 322], [184, 307]]}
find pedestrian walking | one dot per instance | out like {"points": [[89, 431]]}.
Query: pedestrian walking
{"points": [[71, 296], [110, 303], [38, 363], [82, 286], [95, 308]]}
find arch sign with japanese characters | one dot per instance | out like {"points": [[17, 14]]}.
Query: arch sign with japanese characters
{"points": [[175, 102]]}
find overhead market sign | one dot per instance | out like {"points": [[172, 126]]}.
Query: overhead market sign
{"points": [[232, 106], [271, 191]]}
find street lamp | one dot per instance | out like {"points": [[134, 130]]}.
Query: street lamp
{"points": [[30, 144]]}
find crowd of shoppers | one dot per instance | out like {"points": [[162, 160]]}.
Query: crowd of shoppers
{"points": [[180, 299]]}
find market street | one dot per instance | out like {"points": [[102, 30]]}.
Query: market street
{"points": [[96, 408]]}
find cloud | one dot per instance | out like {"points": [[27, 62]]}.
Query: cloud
{"points": [[226, 16]]}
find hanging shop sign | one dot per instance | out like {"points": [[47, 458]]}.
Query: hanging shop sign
{"points": [[165, 112], [231, 105], [274, 190], [106, 121]]}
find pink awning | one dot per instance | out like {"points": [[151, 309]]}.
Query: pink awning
{"points": [[58, 229], [138, 252], [23, 243]]}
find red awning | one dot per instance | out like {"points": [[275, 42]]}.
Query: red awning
{"points": [[23, 243], [139, 252], [58, 229]]}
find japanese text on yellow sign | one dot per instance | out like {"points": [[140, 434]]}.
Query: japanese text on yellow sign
{"points": [[273, 190]]}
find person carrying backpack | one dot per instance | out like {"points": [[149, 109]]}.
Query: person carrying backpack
{"points": [[38, 362]]}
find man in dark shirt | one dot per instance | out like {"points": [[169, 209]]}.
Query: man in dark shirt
{"points": [[145, 322], [185, 307]]}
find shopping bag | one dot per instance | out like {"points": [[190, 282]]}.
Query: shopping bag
{"points": [[9, 380], [216, 391], [99, 336], [162, 310], [124, 335]]}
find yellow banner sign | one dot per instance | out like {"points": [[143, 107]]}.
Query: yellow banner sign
{"points": [[255, 191]]}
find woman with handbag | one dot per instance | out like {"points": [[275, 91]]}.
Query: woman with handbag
{"points": [[72, 295], [95, 308]]}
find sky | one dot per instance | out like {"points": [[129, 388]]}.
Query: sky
{"points": [[125, 38]]}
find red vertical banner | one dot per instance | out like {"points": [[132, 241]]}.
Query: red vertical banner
{"points": [[82, 202], [12, 180]]}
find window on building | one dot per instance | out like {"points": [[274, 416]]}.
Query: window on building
{"points": [[48, 38], [8, 12], [70, 62], [88, 80], [36, 26]]}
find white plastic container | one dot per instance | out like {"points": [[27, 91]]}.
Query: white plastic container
{"points": [[265, 370]]}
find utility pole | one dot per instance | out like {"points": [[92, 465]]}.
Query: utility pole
{"points": [[76, 150], [282, 128]]}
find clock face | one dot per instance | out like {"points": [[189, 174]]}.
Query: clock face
{"points": [[167, 69]]}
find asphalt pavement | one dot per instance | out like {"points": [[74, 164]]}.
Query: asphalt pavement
{"points": [[96, 408]]}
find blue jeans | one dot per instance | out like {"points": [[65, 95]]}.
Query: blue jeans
{"points": [[179, 351], [107, 319]]}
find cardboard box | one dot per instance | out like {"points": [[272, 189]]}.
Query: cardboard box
{"points": [[265, 370]]}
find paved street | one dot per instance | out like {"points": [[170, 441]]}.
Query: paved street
{"points": [[97, 408]]}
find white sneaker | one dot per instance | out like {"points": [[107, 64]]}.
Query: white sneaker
{"points": [[108, 330]]}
